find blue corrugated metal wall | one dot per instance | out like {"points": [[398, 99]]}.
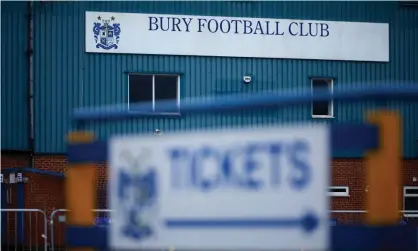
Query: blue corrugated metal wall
{"points": [[14, 119], [66, 77]]}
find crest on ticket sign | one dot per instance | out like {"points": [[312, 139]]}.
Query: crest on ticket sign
{"points": [[106, 33], [137, 197]]}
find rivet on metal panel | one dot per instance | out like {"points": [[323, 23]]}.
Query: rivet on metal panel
{"points": [[383, 170], [81, 192]]}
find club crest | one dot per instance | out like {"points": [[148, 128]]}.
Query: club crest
{"points": [[106, 33], [137, 197]]}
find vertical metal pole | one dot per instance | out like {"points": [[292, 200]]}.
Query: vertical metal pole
{"points": [[80, 188], [383, 170]]}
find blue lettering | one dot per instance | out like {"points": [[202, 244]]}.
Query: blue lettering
{"points": [[301, 30], [235, 23], [247, 27], [308, 29], [187, 22], [268, 32], [311, 32], [213, 25], [245, 167], [251, 165], [153, 23], [275, 150], [198, 165], [201, 24], [176, 22], [292, 32], [324, 30], [179, 157], [161, 24], [225, 26], [227, 166], [277, 29], [169, 23], [258, 28], [298, 152]]}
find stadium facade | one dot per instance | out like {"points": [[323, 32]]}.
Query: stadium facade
{"points": [[57, 56]]}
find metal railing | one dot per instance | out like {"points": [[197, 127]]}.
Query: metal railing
{"points": [[34, 226], [57, 231], [30, 234]]}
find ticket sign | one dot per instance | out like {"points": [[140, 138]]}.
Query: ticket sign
{"points": [[263, 189]]}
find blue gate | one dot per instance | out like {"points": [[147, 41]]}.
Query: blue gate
{"points": [[378, 139]]}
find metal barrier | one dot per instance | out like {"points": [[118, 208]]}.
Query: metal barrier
{"points": [[30, 234], [36, 237], [57, 231], [377, 139]]}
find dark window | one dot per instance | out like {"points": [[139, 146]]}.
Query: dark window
{"points": [[338, 191], [322, 108], [166, 90], [152, 90], [411, 191], [411, 201], [140, 90]]}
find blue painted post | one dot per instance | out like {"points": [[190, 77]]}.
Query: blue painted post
{"points": [[79, 181]]}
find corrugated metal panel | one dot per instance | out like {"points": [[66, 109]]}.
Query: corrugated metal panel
{"points": [[67, 77], [14, 119], [404, 58]]}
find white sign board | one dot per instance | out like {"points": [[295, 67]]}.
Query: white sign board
{"points": [[235, 37], [263, 189]]}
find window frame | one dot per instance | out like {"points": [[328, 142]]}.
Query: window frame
{"points": [[339, 194], [331, 103], [412, 215], [153, 91]]}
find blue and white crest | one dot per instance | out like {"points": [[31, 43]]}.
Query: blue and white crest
{"points": [[106, 33], [137, 197]]}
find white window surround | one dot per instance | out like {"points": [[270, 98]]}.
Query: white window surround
{"points": [[331, 104], [339, 191], [153, 90], [410, 195]]}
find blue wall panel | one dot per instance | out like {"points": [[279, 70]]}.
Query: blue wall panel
{"points": [[14, 115], [67, 77]]}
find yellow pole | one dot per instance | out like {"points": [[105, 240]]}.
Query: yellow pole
{"points": [[80, 188], [384, 170]]}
